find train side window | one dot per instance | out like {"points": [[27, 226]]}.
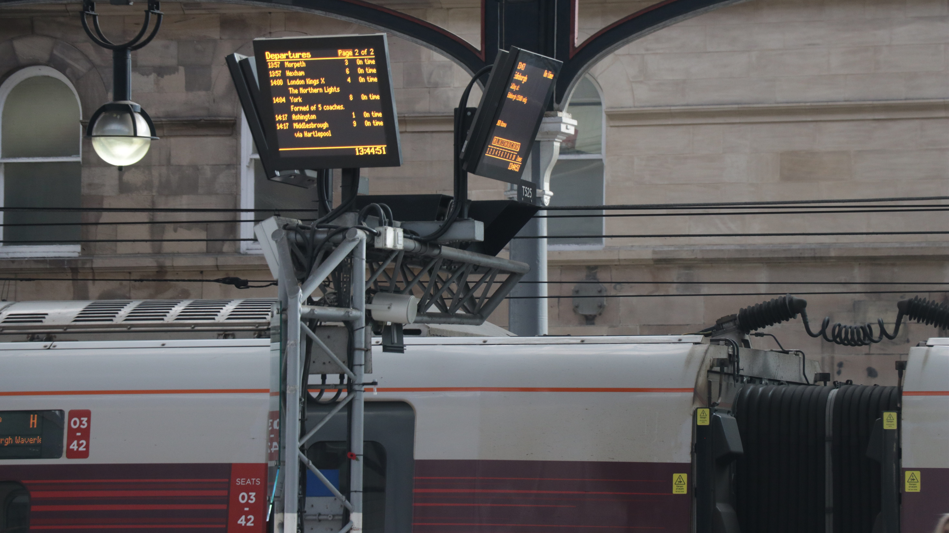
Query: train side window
{"points": [[331, 455], [389, 463], [14, 508]]}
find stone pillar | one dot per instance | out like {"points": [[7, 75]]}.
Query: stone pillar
{"points": [[528, 317]]}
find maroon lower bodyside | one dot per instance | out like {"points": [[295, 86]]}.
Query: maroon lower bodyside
{"points": [[921, 511], [123, 498], [522, 496]]}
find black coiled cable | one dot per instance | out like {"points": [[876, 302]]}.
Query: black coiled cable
{"points": [[770, 313], [925, 311], [921, 310], [785, 308], [851, 335]]}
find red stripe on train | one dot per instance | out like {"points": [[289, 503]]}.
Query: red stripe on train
{"points": [[133, 507], [133, 526], [126, 493], [531, 389], [532, 525], [540, 492], [125, 480]]}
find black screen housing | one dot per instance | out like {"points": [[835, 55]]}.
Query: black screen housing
{"points": [[509, 115], [327, 102]]}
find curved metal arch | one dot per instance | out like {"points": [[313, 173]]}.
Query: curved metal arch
{"points": [[406, 26], [582, 57], [577, 58]]}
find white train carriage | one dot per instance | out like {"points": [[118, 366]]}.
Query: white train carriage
{"points": [[462, 434]]}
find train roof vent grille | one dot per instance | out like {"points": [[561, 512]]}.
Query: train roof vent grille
{"points": [[202, 310], [102, 311], [252, 309], [25, 318], [152, 311]]}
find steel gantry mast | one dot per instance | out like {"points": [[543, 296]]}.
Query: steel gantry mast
{"points": [[362, 276]]}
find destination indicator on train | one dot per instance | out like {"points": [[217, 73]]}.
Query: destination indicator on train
{"points": [[31, 434], [511, 109], [327, 102]]}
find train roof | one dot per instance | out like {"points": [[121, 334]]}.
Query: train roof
{"points": [[549, 340], [131, 315]]}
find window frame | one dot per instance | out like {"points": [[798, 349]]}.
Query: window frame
{"points": [[35, 250], [246, 224], [552, 243]]}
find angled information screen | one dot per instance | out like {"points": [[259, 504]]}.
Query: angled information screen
{"points": [[511, 109], [326, 102]]}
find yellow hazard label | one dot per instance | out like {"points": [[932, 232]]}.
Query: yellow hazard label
{"points": [[701, 417], [680, 483], [889, 419], [912, 481]]}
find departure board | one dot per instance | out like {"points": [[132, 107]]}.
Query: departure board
{"points": [[327, 102], [509, 116], [31, 434]]}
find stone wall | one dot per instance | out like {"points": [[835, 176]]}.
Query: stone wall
{"points": [[182, 81], [761, 101], [767, 101]]}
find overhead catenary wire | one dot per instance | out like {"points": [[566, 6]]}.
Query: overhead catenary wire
{"points": [[240, 283], [704, 295], [629, 236], [200, 280], [909, 209], [104, 241], [609, 282], [619, 207], [715, 235], [743, 205], [587, 215]]}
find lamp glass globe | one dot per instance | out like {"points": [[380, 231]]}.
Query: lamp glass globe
{"points": [[114, 139]]}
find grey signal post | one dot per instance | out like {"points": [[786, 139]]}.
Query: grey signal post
{"points": [[454, 287], [527, 317], [428, 282]]}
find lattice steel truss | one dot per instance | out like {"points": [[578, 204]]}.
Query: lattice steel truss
{"points": [[453, 287]]}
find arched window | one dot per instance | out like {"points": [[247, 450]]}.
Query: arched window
{"points": [[270, 197], [40, 164], [578, 176]]}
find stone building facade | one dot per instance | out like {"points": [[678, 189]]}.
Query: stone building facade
{"points": [[765, 100]]}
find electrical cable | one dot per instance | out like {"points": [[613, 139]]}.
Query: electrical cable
{"points": [[776, 341], [460, 178], [350, 177], [390, 217], [627, 207], [608, 282], [698, 294], [911, 209], [788, 307], [239, 283], [94, 241], [713, 235], [323, 193], [717, 205], [383, 219]]}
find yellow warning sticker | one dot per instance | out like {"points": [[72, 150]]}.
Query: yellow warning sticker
{"points": [[701, 417], [680, 483], [912, 481], [889, 419]]}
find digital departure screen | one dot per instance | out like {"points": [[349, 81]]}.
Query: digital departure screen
{"points": [[509, 116], [327, 102], [31, 434]]}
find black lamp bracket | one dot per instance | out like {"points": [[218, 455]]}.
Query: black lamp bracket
{"points": [[121, 53], [89, 10]]}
